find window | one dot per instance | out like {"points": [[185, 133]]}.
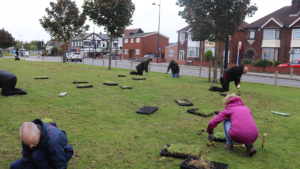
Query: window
{"points": [[126, 40], [182, 36], [193, 52], [137, 40], [271, 54], [131, 40], [126, 51], [73, 44], [211, 49], [190, 36], [271, 34], [251, 35], [137, 52], [296, 33], [86, 43], [171, 52], [296, 56]]}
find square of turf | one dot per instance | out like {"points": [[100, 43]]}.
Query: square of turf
{"points": [[121, 75], [134, 78], [147, 110], [79, 82], [126, 87], [41, 77], [184, 102], [84, 86]]}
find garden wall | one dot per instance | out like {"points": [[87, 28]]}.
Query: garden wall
{"points": [[270, 69]]}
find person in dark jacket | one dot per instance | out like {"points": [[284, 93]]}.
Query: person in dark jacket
{"points": [[8, 82], [44, 146], [17, 55], [143, 66], [174, 68], [232, 74]]}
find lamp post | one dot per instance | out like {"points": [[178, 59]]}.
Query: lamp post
{"points": [[292, 52], [158, 29]]}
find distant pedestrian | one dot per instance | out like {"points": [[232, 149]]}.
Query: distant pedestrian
{"points": [[232, 74], [143, 66], [174, 68], [17, 55], [1, 55]]}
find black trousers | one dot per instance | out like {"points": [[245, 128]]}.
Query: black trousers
{"points": [[17, 58], [225, 85], [137, 73], [8, 87]]}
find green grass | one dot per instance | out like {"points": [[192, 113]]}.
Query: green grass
{"points": [[106, 132], [7, 54]]}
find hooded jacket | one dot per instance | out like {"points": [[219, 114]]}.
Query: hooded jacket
{"points": [[234, 74], [143, 66], [56, 144], [243, 128], [174, 67], [4, 76]]}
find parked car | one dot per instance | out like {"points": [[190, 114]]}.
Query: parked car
{"points": [[296, 63], [74, 56], [68, 56], [150, 55]]}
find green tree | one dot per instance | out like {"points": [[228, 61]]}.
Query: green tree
{"points": [[64, 21], [208, 54], [215, 20], [6, 40], [54, 50], [114, 15]]}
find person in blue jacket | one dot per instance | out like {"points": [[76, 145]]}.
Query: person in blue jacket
{"points": [[44, 146]]}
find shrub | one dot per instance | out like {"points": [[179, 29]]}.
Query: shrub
{"points": [[277, 63], [260, 62], [208, 54], [247, 62]]}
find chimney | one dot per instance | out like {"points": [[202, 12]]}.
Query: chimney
{"points": [[295, 7]]}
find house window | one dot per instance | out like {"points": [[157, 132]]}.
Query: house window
{"points": [[171, 52], [211, 49], [251, 35], [137, 52], [126, 40], [137, 40], [296, 56], [125, 51], [296, 33], [271, 54], [86, 43], [193, 52], [271, 34], [182, 36], [103, 45], [190, 36], [131, 40]]}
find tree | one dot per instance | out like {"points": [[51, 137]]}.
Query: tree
{"points": [[54, 50], [114, 15], [6, 40], [208, 54], [215, 20], [64, 21]]}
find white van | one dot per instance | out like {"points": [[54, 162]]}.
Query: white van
{"points": [[26, 54]]}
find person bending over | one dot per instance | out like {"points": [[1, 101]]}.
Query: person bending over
{"points": [[44, 146], [8, 82], [232, 74], [238, 123], [143, 66], [174, 68]]}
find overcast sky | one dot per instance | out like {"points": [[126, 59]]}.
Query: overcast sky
{"points": [[20, 17]]}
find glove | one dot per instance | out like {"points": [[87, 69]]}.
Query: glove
{"points": [[238, 86], [210, 137], [166, 72]]}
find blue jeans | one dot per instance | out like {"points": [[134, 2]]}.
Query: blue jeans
{"points": [[39, 160], [176, 75], [226, 124]]}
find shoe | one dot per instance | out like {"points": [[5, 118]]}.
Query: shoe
{"points": [[228, 147], [211, 88], [22, 91], [130, 73], [250, 151]]}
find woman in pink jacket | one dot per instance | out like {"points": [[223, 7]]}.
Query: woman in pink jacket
{"points": [[238, 123]]}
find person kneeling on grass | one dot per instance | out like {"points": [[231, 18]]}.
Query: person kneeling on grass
{"points": [[232, 74], [8, 82], [141, 67], [44, 146], [238, 123], [174, 68]]}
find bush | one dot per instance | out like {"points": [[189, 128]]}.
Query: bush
{"points": [[208, 54], [277, 63], [247, 62], [260, 62]]}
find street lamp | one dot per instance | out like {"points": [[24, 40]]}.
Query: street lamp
{"points": [[158, 29]]}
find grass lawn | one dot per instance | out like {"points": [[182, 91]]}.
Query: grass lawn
{"points": [[106, 132], [7, 54]]}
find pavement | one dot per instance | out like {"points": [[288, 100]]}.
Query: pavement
{"points": [[267, 78]]}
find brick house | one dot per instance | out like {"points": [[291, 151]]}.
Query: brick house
{"points": [[62, 47], [140, 44], [171, 52], [276, 34], [233, 46]]}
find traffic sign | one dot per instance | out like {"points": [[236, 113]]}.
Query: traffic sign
{"points": [[159, 48]]}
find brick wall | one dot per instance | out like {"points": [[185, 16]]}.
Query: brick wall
{"points": [[175, 53], [270, 69], [159, 60]]}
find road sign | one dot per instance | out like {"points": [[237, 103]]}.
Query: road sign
{"points": [[159, 48], [240, 45]]}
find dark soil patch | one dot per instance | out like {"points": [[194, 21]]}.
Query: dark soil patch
{"points": [[216, 165]]}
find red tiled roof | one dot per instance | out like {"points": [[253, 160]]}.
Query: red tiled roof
{"points": [[185, 29], [281, 15]]}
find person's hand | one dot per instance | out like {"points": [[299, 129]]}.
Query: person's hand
{"points": [[238, 86], [210, 137]]}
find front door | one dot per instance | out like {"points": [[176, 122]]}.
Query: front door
{"points": [[181, 55]]}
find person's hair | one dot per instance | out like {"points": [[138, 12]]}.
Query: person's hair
{"points": [[150, 59], [28, 129], [227, 98]]}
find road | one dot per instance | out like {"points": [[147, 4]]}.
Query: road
{"points": [[184, 70]]}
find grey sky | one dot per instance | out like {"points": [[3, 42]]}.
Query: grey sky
{"points": [[20, 17]]}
